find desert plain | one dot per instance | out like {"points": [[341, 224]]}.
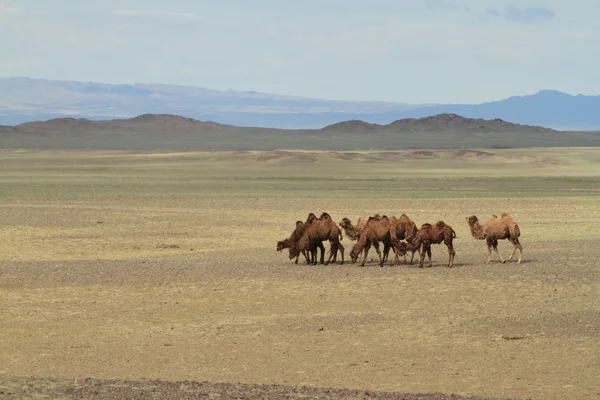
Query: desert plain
{"points": [[161, 266]]}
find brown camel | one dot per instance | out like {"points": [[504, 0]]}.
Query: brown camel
{"points": [[321, 229], [353, 232], [405, 229], [434, 234], [295, 237], [382, 230], [497, 228]]}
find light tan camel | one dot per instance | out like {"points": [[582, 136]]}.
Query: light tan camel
{"points": [[497, 228]]}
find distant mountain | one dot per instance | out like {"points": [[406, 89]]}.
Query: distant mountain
{"points": [[172, 132], [25, 100]]}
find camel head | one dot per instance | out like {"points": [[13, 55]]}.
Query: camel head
{"points": [[354, 254], [476, 229], [345, 223], [293, 252], [472, 220], [401, 248], [280, 245]]}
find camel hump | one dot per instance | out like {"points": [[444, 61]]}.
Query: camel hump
{"points": [[325, 216], [441, 224], [505, 214], [299, 224], [426, 225]]}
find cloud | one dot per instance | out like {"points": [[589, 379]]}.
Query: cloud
{"points": [[515, 14], [155, 14], [527, 15], [440, 4], [6, 8]]}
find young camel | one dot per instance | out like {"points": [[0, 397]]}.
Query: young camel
{"points": [[296, 236], [434, 234], [497, 228], [321, 229], [383, 230]]}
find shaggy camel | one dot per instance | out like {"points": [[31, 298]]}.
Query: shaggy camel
{"points": [[434, 234], [295, 237], [383, 230], [353, 232], [497, 228], [321, 229]]}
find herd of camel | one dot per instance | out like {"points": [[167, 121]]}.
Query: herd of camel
{"points": [[399, 234]]}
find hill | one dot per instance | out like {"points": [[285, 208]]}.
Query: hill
{"points": [[27, 100], [164, 131]]}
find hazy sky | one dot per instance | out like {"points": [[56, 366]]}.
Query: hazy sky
{"points": [[415, 51]]}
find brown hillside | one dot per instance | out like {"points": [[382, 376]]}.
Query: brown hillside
{"points": [[455, 122], [351, 126]]}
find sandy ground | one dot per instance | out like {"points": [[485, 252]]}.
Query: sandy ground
{"points": [[187, 289]]}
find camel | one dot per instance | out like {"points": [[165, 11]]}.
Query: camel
{"points": [[296, 236], [405, 229], [353, 232], [382, 230], [497, 228], [434, 234], [321, 229]]}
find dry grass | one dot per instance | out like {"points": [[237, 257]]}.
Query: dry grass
{"points": [[107, 285]]}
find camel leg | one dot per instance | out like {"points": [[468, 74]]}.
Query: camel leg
{"points": [[489, 243], [495, 245], [365, 252], [307, 257], [320, 245], [332, 250], [412, 257], [341, 248], [386, 251], [376, 245], [518, 247], [451, 254], [429, 256], [426, 248]]}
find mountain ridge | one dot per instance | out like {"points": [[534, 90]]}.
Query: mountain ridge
{"points": [[27, 99]]}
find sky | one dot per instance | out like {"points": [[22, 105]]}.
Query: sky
{"points": [[411, 51]]}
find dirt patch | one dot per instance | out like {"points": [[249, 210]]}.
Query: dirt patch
{"points": [[96, 389], [285, 157], [167, 246]]}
